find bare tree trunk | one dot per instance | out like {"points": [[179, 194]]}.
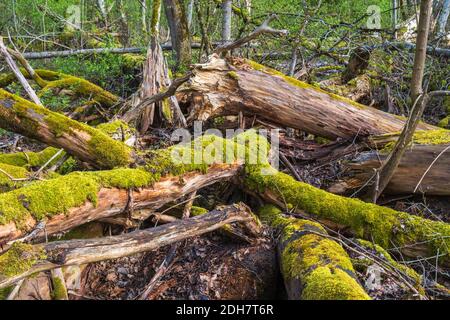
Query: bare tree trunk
{"points": [[421, 48], [254, 89], [394, 17], [443, 18], [190, 13], [226, 20]]}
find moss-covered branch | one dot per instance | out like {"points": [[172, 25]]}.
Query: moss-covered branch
{"points": [[50, 81], [413, 236], [82, 141], [94, 195], [313, 267]]}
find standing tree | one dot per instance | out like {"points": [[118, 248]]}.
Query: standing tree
{"points": [[179, 32], [421, 48], [226, 23], [443, 18]]}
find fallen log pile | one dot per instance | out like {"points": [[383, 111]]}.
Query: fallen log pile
{"points": [[134, 186]]}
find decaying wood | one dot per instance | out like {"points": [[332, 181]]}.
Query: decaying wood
{"points": [[226, 89], [262, 29], [415, 162], [77, 252], [85, 143], [313, 266], [112, 202], [412, 236], [389, 166]]}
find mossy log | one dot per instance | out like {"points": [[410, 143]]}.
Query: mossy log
{"points": [[228, 87], [78, 198], [50, 81], [82, 141], [313, 267], [22, 260], [412, 236]]}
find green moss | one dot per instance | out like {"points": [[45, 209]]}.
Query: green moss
{"points": [[133, 61], [444, 123], [198, 211], [4, 292], [29, 159], [109, 153], [411, 273], [59, 289], [321, 265], [385, 226], [424, 137], [167, 110], [82, 87], [332, 284], [47, 198], [233, 75], [13, 171], [301, 84], [19, 258]]}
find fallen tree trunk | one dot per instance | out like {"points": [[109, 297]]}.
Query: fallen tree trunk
{"points": [[245, 86], [422, 169], [313, 267], [23, 260], [67, 53], [82, 141], [78, 198], [412, 236]]}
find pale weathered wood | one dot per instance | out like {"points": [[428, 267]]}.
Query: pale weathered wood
{"points": [[78, 252], [415, 162], [227, 88]]}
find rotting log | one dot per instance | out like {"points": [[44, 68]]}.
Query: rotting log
{"points": [[423, 169], [410, 235], [313, 267], [229, 87], [55, 81], [78, 198], [22, 260], [82, 141]]}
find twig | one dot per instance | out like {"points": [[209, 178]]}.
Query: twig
{"points": [[429, 168], [15, 69], [264, 28]]}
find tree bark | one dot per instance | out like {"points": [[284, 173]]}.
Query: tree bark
{"points": [[423, 29], [410, 236], [227, 89], [443, 18], [179, 32], [411, 169], [109, 201], [85, 143]]}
